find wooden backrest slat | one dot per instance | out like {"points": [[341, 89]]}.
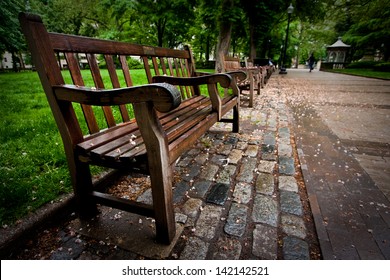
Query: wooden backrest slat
{"points": [[75, 73], [163, 65], [170, 66], [147, 68], [98, 80], [177, 73], [115, 83], [189, 74], [185, 74], [112, 71], [126, 70], [155, 66]]}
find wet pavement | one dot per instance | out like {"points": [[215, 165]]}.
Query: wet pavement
{"points": [[307, 177]]}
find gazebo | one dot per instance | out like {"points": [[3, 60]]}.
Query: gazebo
{"points": [[336, 55]]}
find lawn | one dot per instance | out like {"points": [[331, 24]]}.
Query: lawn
{"points": [[364, 72], [32, 161]]}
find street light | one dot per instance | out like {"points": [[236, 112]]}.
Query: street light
{"points": [[283, 70]]}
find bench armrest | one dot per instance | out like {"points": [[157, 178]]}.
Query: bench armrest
{"points": [[238, 74], [223, 79], [210, 80], [164, 97]]}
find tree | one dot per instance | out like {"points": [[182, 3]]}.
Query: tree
{"points": [[11, 38], [170, 19], [226, 18], [368, 25]]}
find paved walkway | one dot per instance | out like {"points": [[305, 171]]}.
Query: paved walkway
{"points": [[342, 127], [306, 178]]}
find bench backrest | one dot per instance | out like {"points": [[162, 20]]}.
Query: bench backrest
{"points": [[232, 63], [62, 59]]}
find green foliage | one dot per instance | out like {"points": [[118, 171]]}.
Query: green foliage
{"points": [[365, 25], [362, 64], [134, 63], [168, 19], [10, 34], [373, 65], [383, 67]]}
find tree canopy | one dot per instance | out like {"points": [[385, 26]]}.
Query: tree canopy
{"points": [[250, 28]]}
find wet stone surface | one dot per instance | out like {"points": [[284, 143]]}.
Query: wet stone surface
{"points": [[218, 194], [290, 202], [236, 221]]}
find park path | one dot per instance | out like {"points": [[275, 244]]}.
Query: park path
{"points": [[342, 129]]}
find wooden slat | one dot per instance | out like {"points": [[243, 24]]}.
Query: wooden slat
{"points": [[119, 141], [176, 73], [115, 83], [188, 74], [77, 78], [184, 74], [147, 68], [170, 66], [163, 65], [105, 136], [181, 144], [95, 71], [115, 145], [155, 66], [126, 70]]}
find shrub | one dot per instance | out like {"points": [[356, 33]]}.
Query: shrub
{"points": [[383, 67], [373, 65], [362, 64], [134, 63]]}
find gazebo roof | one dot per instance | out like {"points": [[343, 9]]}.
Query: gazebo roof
{"points": [[339, 44]]}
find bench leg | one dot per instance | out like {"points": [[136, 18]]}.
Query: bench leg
{"points": [[251, 89], [163, 204], [82, 187], [236, 118], [160, 171]]}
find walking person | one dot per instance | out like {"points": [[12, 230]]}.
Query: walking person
{"points": [[311, 61]]}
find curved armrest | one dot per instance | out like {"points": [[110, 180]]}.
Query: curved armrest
{"points": [[164, 97], [239, 74], [211, 81], [223, 79]]}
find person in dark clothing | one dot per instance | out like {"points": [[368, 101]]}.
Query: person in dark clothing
{"points": [[311, 61]]}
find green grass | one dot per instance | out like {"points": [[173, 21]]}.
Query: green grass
{"points": [[364, 72], [33, 167], [32, 162]]}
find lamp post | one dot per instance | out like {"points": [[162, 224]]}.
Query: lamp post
{"points": [[283, 70]]}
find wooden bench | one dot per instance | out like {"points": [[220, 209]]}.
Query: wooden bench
{"points": [[262, 73], [96, 123], [269, 69], [252, 80]]}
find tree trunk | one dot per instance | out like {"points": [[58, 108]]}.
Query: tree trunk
{"points": [[252, 51], [225, 32]]}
